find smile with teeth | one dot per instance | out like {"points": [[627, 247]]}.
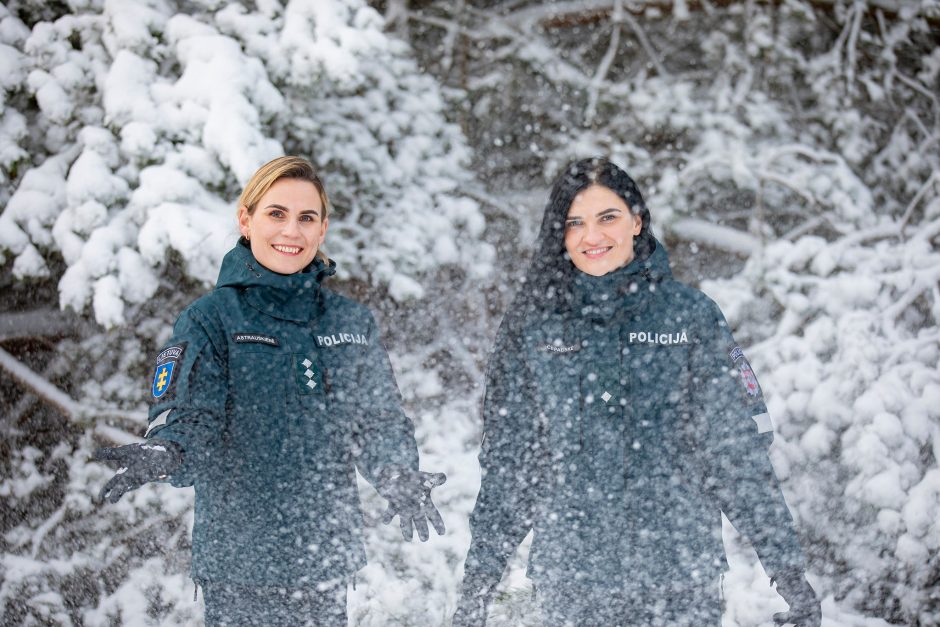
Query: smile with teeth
{"points": [[596, 252], [287, 250]]}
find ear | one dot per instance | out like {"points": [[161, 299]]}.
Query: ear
{"points": [[243, 221], [326, 225], [637, 225]]}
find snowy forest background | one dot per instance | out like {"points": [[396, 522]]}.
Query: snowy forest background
{"points": [[789, 152]]}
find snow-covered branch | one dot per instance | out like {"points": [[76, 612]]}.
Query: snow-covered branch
{"points": [[716, 236], [70, 408]]}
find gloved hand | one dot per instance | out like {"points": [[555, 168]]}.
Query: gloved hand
{"points": [[475, 597], [805, 609], [409, 497], [139, 463]]}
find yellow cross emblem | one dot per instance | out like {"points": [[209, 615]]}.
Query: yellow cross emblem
{"points": [[161, 378]]}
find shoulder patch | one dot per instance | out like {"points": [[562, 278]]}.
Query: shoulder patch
{"points": [[748, 378], [167, 361]]}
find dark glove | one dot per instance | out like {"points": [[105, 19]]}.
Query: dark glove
{"points": [[138, 464], [805, 610], [409, 497], [474, 602]]}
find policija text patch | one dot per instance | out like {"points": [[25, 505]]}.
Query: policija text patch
{"points": [[167, 365]]}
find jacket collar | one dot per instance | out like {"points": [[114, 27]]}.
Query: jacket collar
{"points": [[602, 296], [296, 297]]}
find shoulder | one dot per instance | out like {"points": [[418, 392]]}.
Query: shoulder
{"points": [[334, 303], [694, 302], [207, 309], [203, 320]]}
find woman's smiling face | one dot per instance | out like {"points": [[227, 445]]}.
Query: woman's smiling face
{"points": [[287, 227], [599, 231]]}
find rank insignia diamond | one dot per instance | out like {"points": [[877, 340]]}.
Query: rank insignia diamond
{"points": [[309, 375]]}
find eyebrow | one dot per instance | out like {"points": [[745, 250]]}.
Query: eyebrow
{"points": [[283, 208], [602, 213]]}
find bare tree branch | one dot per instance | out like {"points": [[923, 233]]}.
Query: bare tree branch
{"points": [[916, 199], [601, 74], [851, 47], [574, 13], [645, 42], [47, 391], [47, 323]]}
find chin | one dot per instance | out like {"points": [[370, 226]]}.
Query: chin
{"points": [[596, 271], [280, 267]]}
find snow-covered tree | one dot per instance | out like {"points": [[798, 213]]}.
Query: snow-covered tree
{"points": [[150, 120], [787, 150]]}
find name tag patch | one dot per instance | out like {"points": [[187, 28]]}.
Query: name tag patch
{"points": [[256, 338], [167, 361], [558, 348]]}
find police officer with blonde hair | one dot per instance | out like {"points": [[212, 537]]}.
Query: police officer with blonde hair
{"points": [[270, 394]]}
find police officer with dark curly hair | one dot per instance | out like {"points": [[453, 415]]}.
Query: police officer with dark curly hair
{"points": [[272, 391], [620, 421]]}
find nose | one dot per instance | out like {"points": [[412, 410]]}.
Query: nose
{"points": [[592, 233], [291, 228]]}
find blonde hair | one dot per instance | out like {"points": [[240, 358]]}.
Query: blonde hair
{"points": [[283, 168]]}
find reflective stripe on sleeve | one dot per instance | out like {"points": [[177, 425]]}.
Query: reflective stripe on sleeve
{"points": [[159, 421]]}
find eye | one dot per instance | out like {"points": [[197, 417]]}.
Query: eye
{"points": [[276, 213], [609, 217], [573, 223], [308, 217]]}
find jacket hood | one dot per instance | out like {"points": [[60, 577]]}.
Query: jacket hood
{"points": [[285, 296]]}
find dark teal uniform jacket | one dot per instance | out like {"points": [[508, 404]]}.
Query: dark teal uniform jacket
{"points": [[277, 389], [618, 428]]}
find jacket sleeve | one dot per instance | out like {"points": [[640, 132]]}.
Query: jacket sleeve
{"points": [[382, 434], [735, 433], [188, 394], [509, 459]]}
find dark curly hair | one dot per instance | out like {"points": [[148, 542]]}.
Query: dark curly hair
{"points": [[549, 277]]}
